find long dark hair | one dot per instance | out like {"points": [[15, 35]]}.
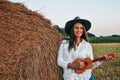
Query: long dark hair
{"points": [[72, 37]]}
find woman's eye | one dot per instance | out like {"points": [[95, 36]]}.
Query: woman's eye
{"points": [[76, 27], [81, 27]]}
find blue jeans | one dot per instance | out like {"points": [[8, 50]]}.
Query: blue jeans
{"points": [[92, 77]]}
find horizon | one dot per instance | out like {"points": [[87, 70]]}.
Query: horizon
{"points": [[104, 14]]}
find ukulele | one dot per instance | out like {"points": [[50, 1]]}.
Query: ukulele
{"points": [[88, 62]]}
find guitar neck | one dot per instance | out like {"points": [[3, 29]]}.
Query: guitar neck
{"points": [[99, 59]]}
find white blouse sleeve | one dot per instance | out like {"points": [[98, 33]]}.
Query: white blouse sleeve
{"points": [[60, 61], [90, 51]]}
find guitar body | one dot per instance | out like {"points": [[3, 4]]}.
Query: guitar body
{"points": [[88, 65]]}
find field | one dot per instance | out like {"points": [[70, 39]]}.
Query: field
{"points": [[109, 70]]}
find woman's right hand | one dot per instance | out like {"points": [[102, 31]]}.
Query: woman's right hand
{"points": [[76, 65]]}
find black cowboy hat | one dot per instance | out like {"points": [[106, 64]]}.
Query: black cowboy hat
{"points": [[70, 24]]}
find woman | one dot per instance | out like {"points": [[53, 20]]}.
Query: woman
{"points": [[77, 46]]}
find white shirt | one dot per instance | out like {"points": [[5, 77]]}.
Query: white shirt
{"points": [[83, 50]]}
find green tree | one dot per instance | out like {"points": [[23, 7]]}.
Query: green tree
{"points": [[91, 34], [116, 35], [60, 30]]}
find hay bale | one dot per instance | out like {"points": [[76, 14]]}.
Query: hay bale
{"points": [[28, 44]]}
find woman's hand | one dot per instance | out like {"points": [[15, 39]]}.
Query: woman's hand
{"points": [[108, 57], [82, 65], [76, 65]]}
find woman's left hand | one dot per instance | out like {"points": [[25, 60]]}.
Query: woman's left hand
{"points": [[108, 57]]}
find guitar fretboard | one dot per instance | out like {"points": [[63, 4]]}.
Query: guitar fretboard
{"points": [[99, 59]]}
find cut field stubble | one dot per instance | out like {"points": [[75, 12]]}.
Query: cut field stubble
{"points": [[109, 70]]}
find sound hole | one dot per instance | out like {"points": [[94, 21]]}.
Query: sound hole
{"points": [[86, 63]]}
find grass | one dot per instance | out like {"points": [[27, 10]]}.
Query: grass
{"points": [[109, 70]]}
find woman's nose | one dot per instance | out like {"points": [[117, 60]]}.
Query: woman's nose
{"points": [[78, 29]]}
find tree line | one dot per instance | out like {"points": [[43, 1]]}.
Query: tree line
{"points": [[92, 38]]}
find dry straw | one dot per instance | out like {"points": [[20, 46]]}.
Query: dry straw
{"points": [[28, 44]]}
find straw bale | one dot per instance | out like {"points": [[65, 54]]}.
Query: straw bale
{"points": [[28, 44]]}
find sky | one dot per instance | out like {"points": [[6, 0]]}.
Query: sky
{"points": [[103, 14]]}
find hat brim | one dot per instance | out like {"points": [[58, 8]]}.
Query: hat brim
{"points": [[70, 24]]}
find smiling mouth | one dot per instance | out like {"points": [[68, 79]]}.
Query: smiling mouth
{"points": [[78, 32]]}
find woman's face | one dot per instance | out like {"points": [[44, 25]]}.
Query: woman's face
{"points": [[78, 29]]}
